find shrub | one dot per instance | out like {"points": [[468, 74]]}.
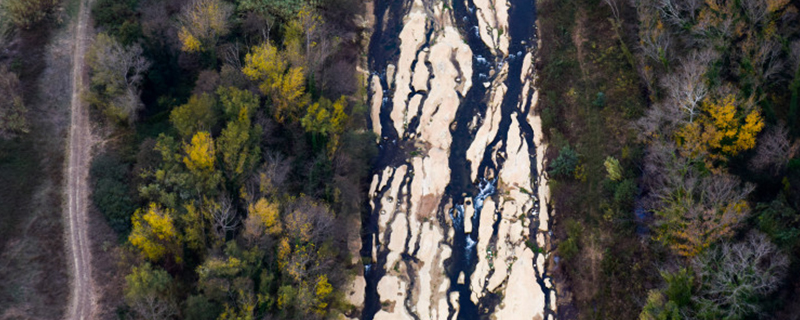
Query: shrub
{"points": [[111, 194], [570, 247], [564, 165], [119, 19], [26, 13]]}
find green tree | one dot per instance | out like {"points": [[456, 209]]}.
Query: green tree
{"points": [[196, 115], [658, 307], [26, 13], [238, 143], [149, 292], [564, 165]]}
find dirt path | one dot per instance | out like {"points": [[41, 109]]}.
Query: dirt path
{"points": [[82, 296]]}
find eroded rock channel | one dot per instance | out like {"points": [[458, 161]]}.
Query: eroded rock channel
{"points": [[458, 223]]}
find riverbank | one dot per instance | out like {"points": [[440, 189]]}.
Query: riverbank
{"points": [[590, 98]]}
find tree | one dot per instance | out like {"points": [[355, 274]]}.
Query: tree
{"points": [[613, 168], [723, 130], [12, 109], [735, 276], [201, 159], [149, 292], [687, 87], [195, 115], [693, 210], [217, 276], [774, 150], [224, 217], [154, 232], [263, 218], [202, 23], [326, 118], [196, 222], [116, 75], [565, 164], [284, 9], [26, 13], [238, 143], [658, 307], [284, 85]]}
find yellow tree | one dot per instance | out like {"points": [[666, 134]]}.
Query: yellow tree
{"points": [[323, 289], [722, 130], [202, 23], [327, 118], [200, 160], [154, 233], [263, 217], [284, 84]]}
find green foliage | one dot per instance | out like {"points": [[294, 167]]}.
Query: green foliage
{"points": [[26, 13], [779, 221], [198, 307], [284, 9], [658, 307], [149, 292], [613, 168], [625, 192], [238, 143], [119, 19], [564, 165], [111, 194], [736, 276], [570, 247], [196, 115], [679, 286], [599, 100], [116, 75]]}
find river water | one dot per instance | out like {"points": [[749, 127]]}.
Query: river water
{"points": [[457, 227]]}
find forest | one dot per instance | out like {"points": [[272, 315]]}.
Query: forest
{"points": [[673, 156], [231, 152]]}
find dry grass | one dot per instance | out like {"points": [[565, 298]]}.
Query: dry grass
{"points": [[34, 283]]}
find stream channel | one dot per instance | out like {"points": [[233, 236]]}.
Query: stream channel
{"points": [[457, 227]]}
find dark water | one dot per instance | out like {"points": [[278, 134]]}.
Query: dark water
{"points": [[384, 50]]}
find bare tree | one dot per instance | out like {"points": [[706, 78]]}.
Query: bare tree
{"points": [[119, 71], [774, 150], [693, 209], [614, 8], [309, 221], [224, 217], [736, 275], [686, 87]]}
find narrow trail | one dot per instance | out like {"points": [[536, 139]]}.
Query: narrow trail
{"points": [[82, 295]]}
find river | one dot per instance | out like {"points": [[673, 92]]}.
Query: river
{"points": [[458, 223]]}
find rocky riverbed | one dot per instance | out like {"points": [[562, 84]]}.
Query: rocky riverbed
{"points": [[458, 227]]}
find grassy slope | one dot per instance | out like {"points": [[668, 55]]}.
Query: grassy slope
{"points": [[612, 266], [33, 279]]}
